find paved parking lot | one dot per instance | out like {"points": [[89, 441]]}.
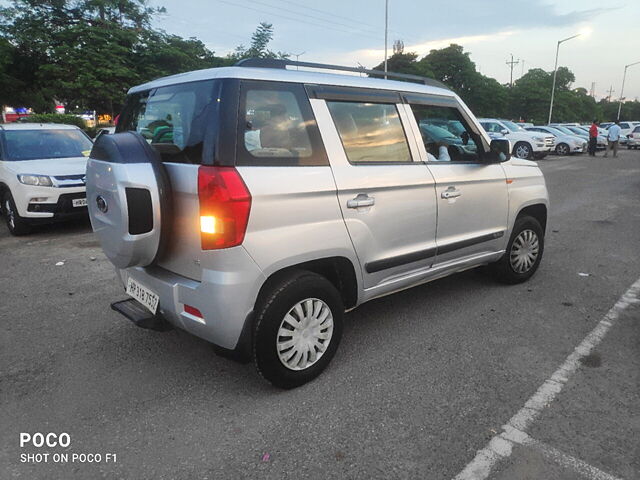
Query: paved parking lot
{"points": [[422, 385]]}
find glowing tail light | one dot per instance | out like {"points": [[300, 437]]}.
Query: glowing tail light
{"points": [[225, 203]]}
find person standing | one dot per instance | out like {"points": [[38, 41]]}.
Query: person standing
{"points": [[593, 138], [613, 137]]}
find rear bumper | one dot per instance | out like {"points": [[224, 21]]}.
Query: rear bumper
{"points": [[226, 299]]}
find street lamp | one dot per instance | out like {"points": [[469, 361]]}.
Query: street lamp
{"points": [[555, 72], [386, 34], [622, 89]]}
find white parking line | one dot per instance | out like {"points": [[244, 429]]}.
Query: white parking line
{"points": [[514, 432], [587, 471]]}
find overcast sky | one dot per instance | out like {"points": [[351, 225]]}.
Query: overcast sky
{"points": [[351, 31]]}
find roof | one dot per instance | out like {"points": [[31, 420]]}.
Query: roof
{"points": [[297, 76], [37, 126]]}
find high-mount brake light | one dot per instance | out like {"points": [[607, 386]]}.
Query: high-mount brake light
{"points": [[225, 203]]}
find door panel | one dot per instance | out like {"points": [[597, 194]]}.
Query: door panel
{"points": [[472, 196], [474, 219], [389, 208]]}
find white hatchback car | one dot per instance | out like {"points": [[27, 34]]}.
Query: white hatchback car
{"points": [[42, 173]]}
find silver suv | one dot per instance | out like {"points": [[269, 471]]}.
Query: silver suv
{"points": [[253, 205]]}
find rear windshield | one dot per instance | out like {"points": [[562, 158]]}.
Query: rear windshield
{"points": [[175, 119], [45, 144]]}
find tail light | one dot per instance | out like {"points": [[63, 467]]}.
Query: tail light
{"points": [[225, 203]]}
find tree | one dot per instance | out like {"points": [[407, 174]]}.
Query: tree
{"points": [[87, 53], [259, 45]]}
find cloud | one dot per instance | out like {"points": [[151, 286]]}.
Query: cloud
{"points": [[372, 56]]}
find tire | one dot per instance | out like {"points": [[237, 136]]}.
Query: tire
{"points": [[563, 149], [17, 225], [523, 150], [278, 310], [508, 269]]}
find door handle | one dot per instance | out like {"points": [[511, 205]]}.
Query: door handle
{"points": [[362, 200], [451, 192]]}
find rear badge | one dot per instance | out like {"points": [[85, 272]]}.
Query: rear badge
{"points": [[102, 204]]}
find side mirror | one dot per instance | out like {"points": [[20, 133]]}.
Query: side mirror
{"points": [[504, 131], [499, 151]]}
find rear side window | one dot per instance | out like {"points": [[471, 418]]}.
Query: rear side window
{"points": [[276, 127], [370, 132], [175, 119]]}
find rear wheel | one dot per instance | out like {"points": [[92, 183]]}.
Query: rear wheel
{"points": [[523, 254], [523, 150], [563, 149], [17, 225], [298, 329]]}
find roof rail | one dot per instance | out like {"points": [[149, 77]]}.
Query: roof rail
{"points": [[283, 64]]}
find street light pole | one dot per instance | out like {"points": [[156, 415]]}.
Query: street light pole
{"points": [[386, 34], [555, 72], [624, 77]]}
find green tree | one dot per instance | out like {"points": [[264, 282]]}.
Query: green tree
{"points": [[258, 48]]}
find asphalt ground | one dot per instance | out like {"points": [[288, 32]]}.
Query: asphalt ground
{"points": [[422, 381]]}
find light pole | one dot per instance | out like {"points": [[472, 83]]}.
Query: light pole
{"points": [[386, 34], [622, 89], [555, 72], [298, 55]]}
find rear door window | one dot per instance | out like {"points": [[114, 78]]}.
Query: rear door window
{"points": [[370, 132], [276, 126], [175, 119]]}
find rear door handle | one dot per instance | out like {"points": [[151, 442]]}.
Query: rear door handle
{"points": [[451, 192], [362, 200]]}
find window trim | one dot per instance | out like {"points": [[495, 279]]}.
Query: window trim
{"points": [[370, 163], [333, 93], [243, 157]]}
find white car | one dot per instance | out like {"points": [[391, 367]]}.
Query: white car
{"points": [[42, 173], [633, 139], [525, 144], [563, 144]]}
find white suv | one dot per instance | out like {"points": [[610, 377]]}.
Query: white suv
{"points": [[42, 173], [528, 145], [253, 205]]}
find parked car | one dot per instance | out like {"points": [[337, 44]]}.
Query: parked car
{"points": [[633, 141], [563, 144], [525, 144], [42, 173], [253, 205]]}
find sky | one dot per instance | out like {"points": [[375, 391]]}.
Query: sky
{"points": [[349, 32]]}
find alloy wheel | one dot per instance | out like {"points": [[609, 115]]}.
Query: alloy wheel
{"points": [[11, 216], [524, 251], [304, 334], [523, 151]]}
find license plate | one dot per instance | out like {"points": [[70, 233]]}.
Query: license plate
{"points": [[79, 202], [142, 294]]}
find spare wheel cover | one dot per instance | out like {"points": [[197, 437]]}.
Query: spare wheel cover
{"points": [[129, 199]]}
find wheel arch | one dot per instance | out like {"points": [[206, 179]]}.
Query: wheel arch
{"points": [[537, 211], [340, 271]]}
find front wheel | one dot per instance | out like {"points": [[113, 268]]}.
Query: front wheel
{"points": [[523, 150], [523, 254], [298, 329], [17, 225], [563, 149]]}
